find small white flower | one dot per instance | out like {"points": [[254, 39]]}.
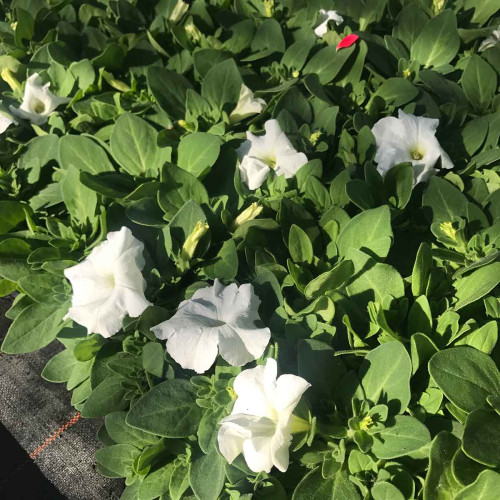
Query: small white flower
{"points": [[325, 16], [272, 151], [38, 101], [248, 105], [491, 41], [409, 138], [261, 423], [108, 284], [215, 319], [6, 122]]}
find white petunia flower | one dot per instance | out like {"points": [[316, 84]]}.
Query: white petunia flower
{"points": [[409, 138], [272, 151], [261, 423], [248, 105], [108, 284], [38, 101], [491, 41], [215, 319], [324, 17], [6, 122]]}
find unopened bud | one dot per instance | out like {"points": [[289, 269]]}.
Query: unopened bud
{"points": [[249, 213], [189, 247], [179, 10], [12, 82]]}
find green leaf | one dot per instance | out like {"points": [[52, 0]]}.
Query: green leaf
{"points": [[483, 9], [476, 285], [178, 187], [385, 376], [84, 154], [479, 82], [438, 43], [481, 437], [398, 182], [269, 37], [34, 328], [169, 89], [397, 91], [169, 409], [466, 376], [198, 152], [156, 483], [369, 231], [386, 491], [207, 475], [60, 367], [401, 436], [485, 487], [225, 266], [107, 397], [117, 460], [134, 147], [120, 432], [329, 280], [80, 201], [445, 200], [13, 212], [40, 286], [317, 363], [222, 85], [300, 246], [153, 358], [440, 482], [314, 487], [373, 281], [327, 63], [421, 270]]}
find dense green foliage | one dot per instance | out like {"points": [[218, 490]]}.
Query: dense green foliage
{"points": [[381, 294]]}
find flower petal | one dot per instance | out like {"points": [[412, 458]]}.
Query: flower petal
{"points": [[253, 172], [347, 41], [289, 390], [258, 454]]}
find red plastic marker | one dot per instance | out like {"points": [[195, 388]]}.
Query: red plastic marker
{"points": [[347, 41]]}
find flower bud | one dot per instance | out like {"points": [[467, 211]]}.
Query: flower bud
{"points": [[179, 10], [189, 247], [12, 81], [249, 213]]}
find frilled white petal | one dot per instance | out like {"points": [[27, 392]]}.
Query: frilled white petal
{"points": [[248, 105], [280, 448], [38, 101], [260, 421], [410, 139], [325, 16], [491, 41], [5, 123], [253, 172], [193, 347], [255, 390], [289, 390], [289, 163], [108, 284], [273, 150], [216, 319], [258, 453], [230, 438], [240, 345]]}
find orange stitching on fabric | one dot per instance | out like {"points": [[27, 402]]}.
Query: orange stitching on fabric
{"points": [[72, 421]]}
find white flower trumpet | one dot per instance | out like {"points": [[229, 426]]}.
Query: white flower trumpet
{"points": [[262, 421], [412, 139], [108, 284], [271, 151], [217, 319], [38, 101]]}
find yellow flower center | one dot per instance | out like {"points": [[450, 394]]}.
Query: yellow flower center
{"points": [[416, 155], [366, 423], [406, 73], [37, 106], [448, 229]]}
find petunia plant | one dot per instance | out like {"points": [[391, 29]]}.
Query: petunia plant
{"points": [[265, 236]]}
